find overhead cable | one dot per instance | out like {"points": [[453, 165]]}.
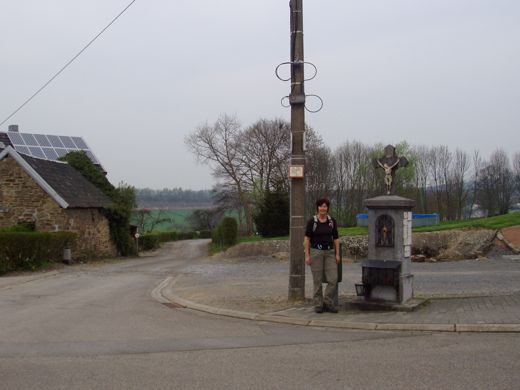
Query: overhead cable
{"points": [[67, 64]]}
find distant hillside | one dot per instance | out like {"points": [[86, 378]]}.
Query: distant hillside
{"points": [[172, 198]]}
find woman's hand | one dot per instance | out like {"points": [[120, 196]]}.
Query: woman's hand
{"points": [[338, 258], [308, 260]]}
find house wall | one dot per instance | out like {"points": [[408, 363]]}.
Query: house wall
{"points": [[93, 230], [22, 200]]}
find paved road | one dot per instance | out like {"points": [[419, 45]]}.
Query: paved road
{"points": [[93, 327]]}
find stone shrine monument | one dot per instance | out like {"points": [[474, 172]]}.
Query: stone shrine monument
{"points": [[386, 276]]}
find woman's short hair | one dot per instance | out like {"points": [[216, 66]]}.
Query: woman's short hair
{"points": [[320, 201]]}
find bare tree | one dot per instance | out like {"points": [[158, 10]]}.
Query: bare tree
{"points": [[219, 146], [318, 169], [457, 180], [516, 171], [422, 174], [496, 185], [353, 179], [477, 168], [440, 160], [265, 155]]}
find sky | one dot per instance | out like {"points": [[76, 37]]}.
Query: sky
{"points": [[428, 72]]}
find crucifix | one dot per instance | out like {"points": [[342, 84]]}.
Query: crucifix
{"points": [[390, 162]]}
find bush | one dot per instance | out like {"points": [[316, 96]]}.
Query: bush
{"points": [[30, 251], [226, 233], [149, 241], [272, 217]]}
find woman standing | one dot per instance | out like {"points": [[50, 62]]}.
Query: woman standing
{"points": [[321, 246]]}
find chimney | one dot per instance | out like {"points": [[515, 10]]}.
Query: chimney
{"points": [[13, 128]]}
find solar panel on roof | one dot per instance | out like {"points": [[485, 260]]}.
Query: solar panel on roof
{"points": [[50, 147], [42, 139], [29, 139], [50, 153], [67, 142], [79, 142], [16, 139], [55, 141], [60, 152], [23, 149], [36, 151]]}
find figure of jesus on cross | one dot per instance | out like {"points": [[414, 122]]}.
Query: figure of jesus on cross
{"points": [[390, 162]]}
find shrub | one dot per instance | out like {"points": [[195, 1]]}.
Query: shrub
{"points": [[149, 241], [272, 217], [226, 233], [29, 250]]}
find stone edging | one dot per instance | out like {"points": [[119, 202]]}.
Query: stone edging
{"points": [[158, 295], [509, 244]]}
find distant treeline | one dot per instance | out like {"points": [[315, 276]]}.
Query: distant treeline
{"points": [[172, 198]]}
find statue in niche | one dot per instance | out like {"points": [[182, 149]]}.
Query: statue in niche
{"points": [[385, 231]]}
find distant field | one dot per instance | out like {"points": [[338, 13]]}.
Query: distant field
{"points": [[176, 219]]}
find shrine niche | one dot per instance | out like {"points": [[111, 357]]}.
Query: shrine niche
{"points": [[385, 231]]}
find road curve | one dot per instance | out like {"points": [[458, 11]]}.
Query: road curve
{"points": [[99, 326]]}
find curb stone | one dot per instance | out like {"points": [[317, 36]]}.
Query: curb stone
{"points": [[505, 328], [458, 328]]}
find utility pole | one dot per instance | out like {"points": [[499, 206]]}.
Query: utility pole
{"points": [[297, 169]]}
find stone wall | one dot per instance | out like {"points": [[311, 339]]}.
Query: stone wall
{"points": [[23, 200], [93, 233]]}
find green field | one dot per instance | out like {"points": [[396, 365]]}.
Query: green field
{"points": [[175, 219], [497, 222]]}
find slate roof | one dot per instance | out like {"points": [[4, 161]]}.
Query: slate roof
{"points": [[5, 140], [68, 183]]}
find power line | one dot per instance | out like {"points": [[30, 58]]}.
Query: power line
{"points": [[68, 63]]}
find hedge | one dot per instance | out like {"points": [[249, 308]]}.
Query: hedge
{"points": [[30, 250]]}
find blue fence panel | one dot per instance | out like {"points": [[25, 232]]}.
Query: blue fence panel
{"points": [[417, 219]]}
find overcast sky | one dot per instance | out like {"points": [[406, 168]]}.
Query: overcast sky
{"points": [[425, 71]]}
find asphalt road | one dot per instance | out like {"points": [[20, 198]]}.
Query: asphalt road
{"points": [[98, 327]]}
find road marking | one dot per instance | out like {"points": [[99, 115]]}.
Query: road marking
{"points": [[157, 291]]}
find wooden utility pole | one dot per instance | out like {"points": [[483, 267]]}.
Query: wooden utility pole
{"points": [[297, 102]]}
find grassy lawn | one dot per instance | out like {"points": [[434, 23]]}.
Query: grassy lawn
{"points": [[497, 222], [353, 231]]}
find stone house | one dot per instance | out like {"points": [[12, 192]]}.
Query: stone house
{"points": [[54, 196]]}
